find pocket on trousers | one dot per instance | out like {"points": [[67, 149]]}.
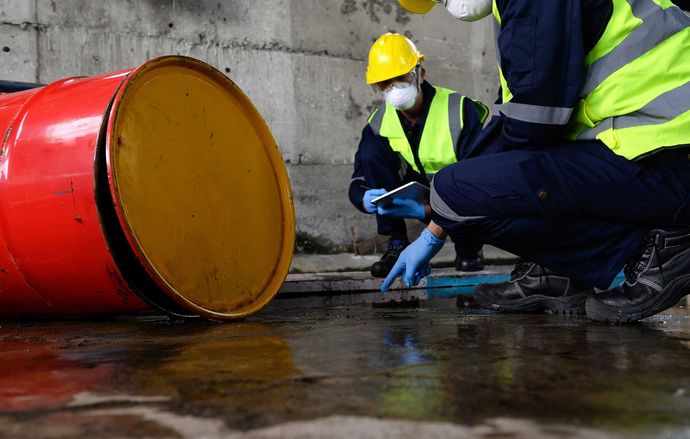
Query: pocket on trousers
{"points": [[548, 188]]}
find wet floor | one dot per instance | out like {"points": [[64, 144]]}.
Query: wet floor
{"points": [[431, 371]]}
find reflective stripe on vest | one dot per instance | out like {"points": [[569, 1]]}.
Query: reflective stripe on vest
{"points": [[636, 97], [440, 136]]}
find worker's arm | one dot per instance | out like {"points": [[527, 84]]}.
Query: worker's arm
{"points": [[474, 114], [542, 57], [374, 161], [357, 189]]}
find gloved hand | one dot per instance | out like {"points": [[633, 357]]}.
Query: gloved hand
{"points": [[413, 262], [404, 209], [370, 195]]}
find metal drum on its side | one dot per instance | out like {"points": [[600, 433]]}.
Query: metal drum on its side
{"points": [[160, 185]]}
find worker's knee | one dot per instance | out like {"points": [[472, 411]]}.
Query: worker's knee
{"points": [[447, 196], [483, 186]]}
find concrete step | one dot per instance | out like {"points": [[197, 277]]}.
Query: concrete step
{"points": [[303, 263]]}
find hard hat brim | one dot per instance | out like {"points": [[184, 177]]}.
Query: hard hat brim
{"points": [[417, 6], [373, 78]]}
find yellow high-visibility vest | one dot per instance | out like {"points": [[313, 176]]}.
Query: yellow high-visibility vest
{"points": [[636, 97], [441, 133]]}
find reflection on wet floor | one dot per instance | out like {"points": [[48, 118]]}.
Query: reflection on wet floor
{"points": [[151, 377]]}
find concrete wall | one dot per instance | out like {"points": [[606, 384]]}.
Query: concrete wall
{"points": [[302, 63]]}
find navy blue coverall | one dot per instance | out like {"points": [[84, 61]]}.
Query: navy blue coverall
{"points": [[377, 166], [572, 206]]}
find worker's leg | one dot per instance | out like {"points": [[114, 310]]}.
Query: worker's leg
{"points": [[384, 169], [577, 209], [590, 252], [468, 254]]}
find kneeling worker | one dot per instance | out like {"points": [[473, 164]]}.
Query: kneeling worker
{"points": [[417, 131]]}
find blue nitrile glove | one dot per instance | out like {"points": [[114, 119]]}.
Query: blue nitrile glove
{"points": [[370, 195], [401, 208], [413, 262]]}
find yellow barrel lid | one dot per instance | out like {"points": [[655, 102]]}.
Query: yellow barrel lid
{"points": [[200, 188]]}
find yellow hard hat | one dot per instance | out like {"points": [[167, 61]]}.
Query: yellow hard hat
{"points": [[418, 6], [390, 56]]}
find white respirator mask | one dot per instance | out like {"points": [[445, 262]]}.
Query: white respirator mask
{"points": [[469, 10], [403, 95]]}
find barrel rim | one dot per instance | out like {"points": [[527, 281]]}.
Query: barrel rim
{"points": [[280, 269]]}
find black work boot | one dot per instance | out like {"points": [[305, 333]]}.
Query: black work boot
{"points": [[533, 288], [473, 263], [656, 278], [468, 255], [385, 264]]}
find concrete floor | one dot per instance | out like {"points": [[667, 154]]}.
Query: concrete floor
{"points": [[356, 371]]}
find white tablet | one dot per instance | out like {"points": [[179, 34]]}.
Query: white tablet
{"points": [[410, 191]]}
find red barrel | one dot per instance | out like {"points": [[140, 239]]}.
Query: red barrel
{"points": [[159, 186]]}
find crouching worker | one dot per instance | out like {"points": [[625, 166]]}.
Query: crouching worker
{"points": [[417, 131], [593, 176]]}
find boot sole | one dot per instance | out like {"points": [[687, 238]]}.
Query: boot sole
{"points": [[600, 312], [379, 275], [569, 305]]}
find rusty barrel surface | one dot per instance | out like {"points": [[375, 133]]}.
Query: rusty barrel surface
{"points": [[159, 186]]}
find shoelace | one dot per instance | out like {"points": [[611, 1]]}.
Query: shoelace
{"points": [[394, 248], [520, 269], [637, 263]]}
